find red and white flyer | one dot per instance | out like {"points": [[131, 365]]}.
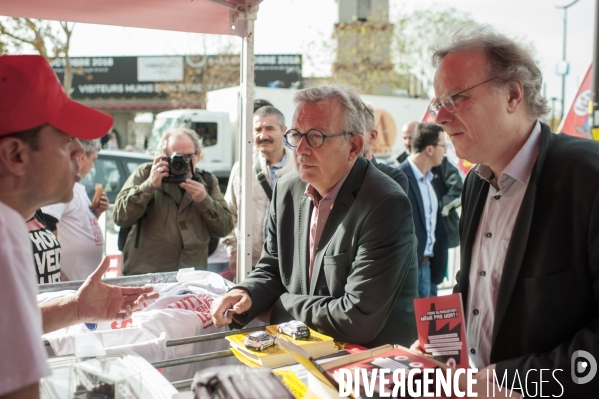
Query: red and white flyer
{"points": [[441, 329]]}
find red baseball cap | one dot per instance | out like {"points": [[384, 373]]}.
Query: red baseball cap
{"points": [[31, 96]]}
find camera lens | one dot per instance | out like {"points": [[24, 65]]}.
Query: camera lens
{"points": [[179, 164]]}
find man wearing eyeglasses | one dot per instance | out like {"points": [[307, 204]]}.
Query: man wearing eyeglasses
{"points": [[341, 252], [172, 207], [529, 274], [428, 150]]}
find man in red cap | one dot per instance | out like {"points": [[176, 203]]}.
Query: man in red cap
{"points": [[39, 131]]}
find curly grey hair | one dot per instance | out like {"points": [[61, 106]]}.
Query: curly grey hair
{"points": [[509, 62], [349, 98], [90, 146], [179, 131]]}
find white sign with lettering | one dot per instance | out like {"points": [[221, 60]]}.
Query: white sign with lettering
{"points": [[159, 69]]}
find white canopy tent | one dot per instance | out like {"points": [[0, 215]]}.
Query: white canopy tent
{"points": [[225, 17]]}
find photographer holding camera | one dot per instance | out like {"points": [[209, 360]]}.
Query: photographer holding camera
{"points": [[171, 209]]}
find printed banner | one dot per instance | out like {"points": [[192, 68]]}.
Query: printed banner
{"points": [[576, 122]]}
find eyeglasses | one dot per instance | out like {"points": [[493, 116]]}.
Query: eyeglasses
{"points": [[441, 145], [314, 137], [448, 102]]}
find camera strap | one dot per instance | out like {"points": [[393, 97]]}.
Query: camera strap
{"points": [[262, 179]]}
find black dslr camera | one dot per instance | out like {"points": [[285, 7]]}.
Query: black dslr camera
{"points": [[178, 166]]}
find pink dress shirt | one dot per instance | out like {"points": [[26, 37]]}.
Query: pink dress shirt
{"points": [[320, 215], [491, 244]]}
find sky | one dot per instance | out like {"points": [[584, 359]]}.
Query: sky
{"points": [[298, 26]]}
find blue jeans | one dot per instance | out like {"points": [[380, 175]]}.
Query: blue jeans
{"points": [[434, 290], [424, 280]]}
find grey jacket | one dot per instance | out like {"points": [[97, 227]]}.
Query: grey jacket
{"points": [[175, 229], [365, 272]]}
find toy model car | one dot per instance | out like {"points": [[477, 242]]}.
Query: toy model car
{"points": [[238, 382], [259, 340], [295, 329]]}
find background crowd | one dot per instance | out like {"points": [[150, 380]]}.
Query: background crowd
{"points": [[340, 241]]}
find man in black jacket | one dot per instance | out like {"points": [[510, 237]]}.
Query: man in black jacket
{"points": [[406, 135], [529, 275]]}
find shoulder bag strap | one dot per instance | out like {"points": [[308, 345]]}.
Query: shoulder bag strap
{"points": [[262, 178]]}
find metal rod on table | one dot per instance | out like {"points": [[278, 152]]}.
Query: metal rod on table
{"points": [[209, 337], [183, 384], [136, 281], [193, 359]]}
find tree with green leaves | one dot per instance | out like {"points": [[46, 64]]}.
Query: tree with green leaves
{"points": [[416, 33], [379, 57], [363, 56], [51, 39]]}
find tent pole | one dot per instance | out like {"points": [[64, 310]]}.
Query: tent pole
{"points": [[244, 241]]}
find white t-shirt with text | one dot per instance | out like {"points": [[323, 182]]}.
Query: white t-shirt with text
{"points": [[22, 355], [79, 235]]}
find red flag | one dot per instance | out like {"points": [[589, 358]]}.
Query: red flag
{"points": [[576, 122]]}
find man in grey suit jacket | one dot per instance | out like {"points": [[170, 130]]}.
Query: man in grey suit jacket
{"points": [[341, 251]]}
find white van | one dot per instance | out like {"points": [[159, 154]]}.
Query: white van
{"points": [[214, 128]]}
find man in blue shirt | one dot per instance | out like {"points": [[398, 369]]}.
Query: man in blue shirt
{"points": [[428, 150]]}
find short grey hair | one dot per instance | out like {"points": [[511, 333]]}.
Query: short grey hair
{"points": [[178, 132], [90, 146], [369, 122], [348, 97], [508, 62], [270, 110]]}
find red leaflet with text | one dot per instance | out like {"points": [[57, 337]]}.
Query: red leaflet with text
{"points": [[441, 330]]}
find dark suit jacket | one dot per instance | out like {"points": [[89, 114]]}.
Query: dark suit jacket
{"points": [[394, 173], [402, 157], [365, 272], [548, 300], [439, 260], [448, 186]]}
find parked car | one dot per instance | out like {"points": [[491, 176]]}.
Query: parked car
{"points": [[295, 329], [111, 170], [259, 340]]}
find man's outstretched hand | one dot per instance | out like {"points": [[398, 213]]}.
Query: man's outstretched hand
{"points": [[94, 301], [98, 301]]}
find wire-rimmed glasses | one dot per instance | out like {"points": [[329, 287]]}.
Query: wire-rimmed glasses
{"points": [[448, 102]]}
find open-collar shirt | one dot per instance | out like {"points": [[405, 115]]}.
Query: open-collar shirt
{"points": [[320, 215], [491, 244]]}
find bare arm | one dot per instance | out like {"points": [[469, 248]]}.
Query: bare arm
{"points": [[94, 301]]}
